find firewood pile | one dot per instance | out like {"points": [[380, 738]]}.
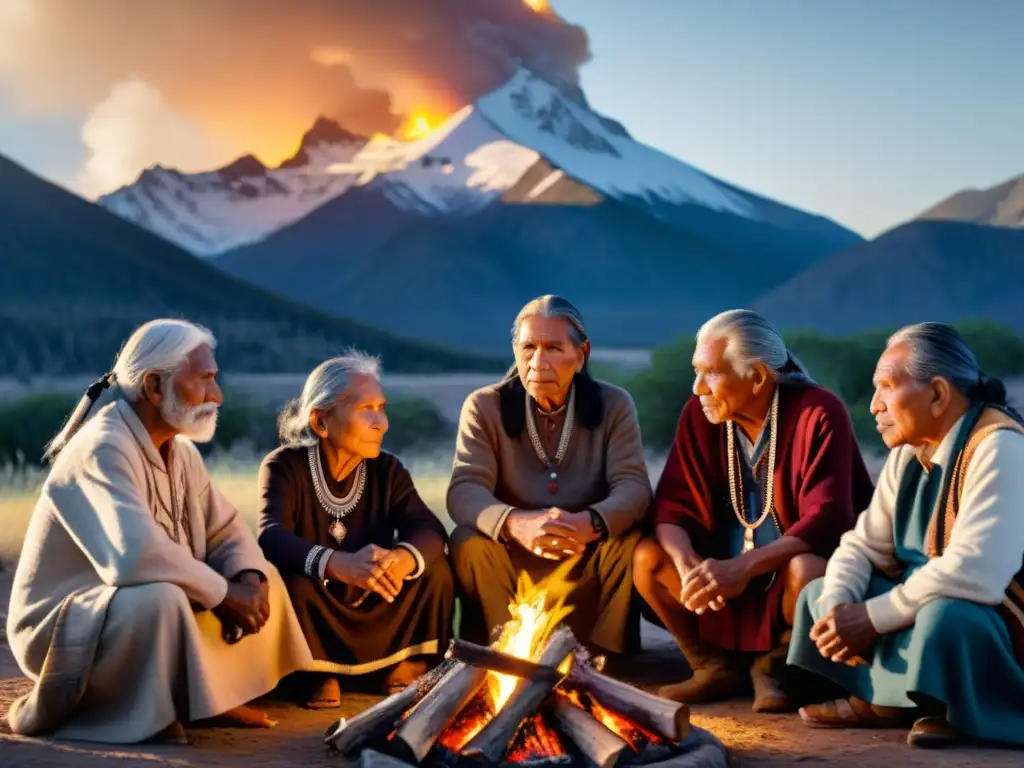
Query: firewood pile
{"points": [[484, 707]]}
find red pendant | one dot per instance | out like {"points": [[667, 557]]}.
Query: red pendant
{"points": [[553, 487]]}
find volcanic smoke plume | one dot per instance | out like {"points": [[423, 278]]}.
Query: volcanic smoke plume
{"points": [[252, 75]]}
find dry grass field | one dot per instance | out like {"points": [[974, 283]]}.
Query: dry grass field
{"points": [[234, 477]]}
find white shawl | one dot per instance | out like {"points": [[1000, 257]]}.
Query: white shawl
{"points": [[106, 519]]}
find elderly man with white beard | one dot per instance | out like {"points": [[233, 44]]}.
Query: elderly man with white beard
{"points": [[141, 598]]}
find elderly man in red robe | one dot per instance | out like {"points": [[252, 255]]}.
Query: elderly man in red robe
{"points": [[764, 477]]}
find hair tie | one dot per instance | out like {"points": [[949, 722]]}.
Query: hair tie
{"points": [[96, 388]]}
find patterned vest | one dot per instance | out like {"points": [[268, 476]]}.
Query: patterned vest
{"points": [[979, 423]]}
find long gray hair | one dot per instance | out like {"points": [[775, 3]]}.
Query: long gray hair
{"points": [[751, 339], [324, 385], [160, 346], [939, 350], [553, 306]]}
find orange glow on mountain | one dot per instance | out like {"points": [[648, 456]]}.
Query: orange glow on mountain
{"points": [[417, 125], [540, 6]]}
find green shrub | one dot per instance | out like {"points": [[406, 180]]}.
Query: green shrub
{"points": [[27, 424]]}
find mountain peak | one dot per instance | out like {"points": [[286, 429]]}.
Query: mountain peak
{"points": [[998, 206], [244, 167], [324, 131]]}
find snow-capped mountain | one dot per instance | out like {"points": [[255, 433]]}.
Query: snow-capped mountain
{"points": [[212, 212], [598, 151], [458, 168], [455, 169]]}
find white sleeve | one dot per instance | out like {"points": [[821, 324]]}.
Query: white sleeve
{"points": [[869, 545], [986, 545]]}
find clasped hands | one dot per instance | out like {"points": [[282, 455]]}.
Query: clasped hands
{"points": [[246, 604], [711, 583], [553, 534], [845, 634], [373, 568]]}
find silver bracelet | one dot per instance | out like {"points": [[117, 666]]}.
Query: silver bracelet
{"points": [[313, 561]]}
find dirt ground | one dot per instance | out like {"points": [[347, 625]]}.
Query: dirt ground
{"points": [[752, 740]]}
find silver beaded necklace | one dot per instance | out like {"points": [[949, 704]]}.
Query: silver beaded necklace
{"points": [[551, 465], [738, 507], [335, 507]]}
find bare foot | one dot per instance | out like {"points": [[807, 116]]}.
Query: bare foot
{"points": [[172, 734], [248, 717], [404, 673]]}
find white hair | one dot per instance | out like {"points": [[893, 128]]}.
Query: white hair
{"points": [[161, 347], [939, 350], [324, 385], [750, 339]]}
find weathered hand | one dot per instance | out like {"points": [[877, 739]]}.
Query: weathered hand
{"points": [[525, 526], [712, 583], [363, 569], [245, 606], [565, 533], [400, 563], [845, 634]]}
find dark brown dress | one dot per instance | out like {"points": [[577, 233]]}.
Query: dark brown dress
{"points": [[345, 639]]}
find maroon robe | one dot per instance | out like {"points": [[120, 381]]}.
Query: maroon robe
{"points": [[821, 485]]}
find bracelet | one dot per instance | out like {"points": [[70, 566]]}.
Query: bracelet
{"points": [[312, 565]]}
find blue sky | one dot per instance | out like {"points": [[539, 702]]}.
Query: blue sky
{"points": [[867, 111]]}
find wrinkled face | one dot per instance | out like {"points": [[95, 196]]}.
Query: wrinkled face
{"points": [[191, 397], [904, 409], [722, 391], [355, 425], [546, 357]]}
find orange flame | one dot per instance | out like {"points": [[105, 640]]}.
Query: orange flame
{"points": [[535, 616], [537, 610], [540, 6]]}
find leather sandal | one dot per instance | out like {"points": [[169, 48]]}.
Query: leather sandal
{"points": [[932, 733], [326, 696], [853, 713]]}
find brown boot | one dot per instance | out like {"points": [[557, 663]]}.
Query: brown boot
{"points": [[765, 674], [716, 674]]}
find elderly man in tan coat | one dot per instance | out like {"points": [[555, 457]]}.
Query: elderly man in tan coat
{"points": [[141, 598]]}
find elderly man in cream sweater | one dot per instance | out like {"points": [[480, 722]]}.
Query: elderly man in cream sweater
{"points": [[141, 599], [920, 615]]}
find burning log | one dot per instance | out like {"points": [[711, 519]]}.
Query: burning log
{"points": [[602, 747], [425, 724], [488, 747], [668, 718], [496, 661], [375, 723]]}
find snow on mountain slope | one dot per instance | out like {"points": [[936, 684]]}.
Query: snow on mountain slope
{"points": [[590, 148], [211, 212], [456, 169]]}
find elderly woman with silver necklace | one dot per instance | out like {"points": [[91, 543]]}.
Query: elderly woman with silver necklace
{"points": [[361, 554], [549, 466]]}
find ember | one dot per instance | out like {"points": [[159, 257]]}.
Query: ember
{"points": [[634, 734], [530, 699], [534, 741]]}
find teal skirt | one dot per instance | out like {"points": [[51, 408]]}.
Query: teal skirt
{"points": [[957, 652]]}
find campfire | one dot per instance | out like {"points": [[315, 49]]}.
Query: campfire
{"points": [[533, 698]]}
